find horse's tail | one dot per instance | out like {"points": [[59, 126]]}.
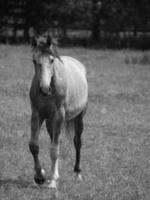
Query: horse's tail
{"points": [[69, 129]]}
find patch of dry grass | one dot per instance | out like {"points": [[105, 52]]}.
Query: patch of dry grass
{"points": [[116, 141]]}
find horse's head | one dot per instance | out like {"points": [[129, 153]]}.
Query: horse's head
{"points": [[44, 55]]}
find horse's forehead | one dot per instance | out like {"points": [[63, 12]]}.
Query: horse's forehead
{"points": [[44, 59], [41, 58]]}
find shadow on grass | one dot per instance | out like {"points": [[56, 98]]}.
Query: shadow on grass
{"points": [[20, 183]]}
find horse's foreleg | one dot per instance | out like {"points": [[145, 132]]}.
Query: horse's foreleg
{"points": [[54, 153], [54, 150], [78, 143], [49, 126], [36, 123]]}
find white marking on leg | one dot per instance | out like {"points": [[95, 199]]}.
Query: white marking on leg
{"points": [[79, 177], [56, 173], [54, 151], [54, 169], [54, 157], [52, 184], [43, 172]]}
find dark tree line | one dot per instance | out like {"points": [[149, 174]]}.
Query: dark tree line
{"points": [[101, 17]]}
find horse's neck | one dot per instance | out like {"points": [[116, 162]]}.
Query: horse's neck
{"points": [[59, 77]]}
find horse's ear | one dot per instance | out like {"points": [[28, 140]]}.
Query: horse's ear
{"points": [[49, 40], [34, 42]]}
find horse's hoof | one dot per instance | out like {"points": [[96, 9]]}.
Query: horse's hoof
{"points": [[79, 177], [52, 184], [40, 179]]}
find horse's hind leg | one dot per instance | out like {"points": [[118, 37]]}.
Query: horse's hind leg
{"points": [[78, 143], [36, 123]]}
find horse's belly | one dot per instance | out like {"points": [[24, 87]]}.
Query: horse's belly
{"points": [[76, 101], [77, 87], [72, 113]]}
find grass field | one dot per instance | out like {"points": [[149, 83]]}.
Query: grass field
{"points": [[116, 141]]}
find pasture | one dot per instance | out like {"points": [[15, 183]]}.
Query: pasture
{"points": [[115, 158]]}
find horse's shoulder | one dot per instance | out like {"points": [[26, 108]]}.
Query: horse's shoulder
{"points": [[70, 61]]}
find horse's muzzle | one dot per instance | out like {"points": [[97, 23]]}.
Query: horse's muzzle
{"points": [[45, 91]]}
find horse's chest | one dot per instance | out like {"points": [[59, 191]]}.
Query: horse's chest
{"points": [[46, 107]]}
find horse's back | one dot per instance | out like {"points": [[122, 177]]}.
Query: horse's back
{"points": [[72, 62], [77, 87]]}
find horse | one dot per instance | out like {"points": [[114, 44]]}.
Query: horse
{"points": [[58, 96]]}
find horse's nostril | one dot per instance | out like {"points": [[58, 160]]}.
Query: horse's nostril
{"points": [[45, 91], [41, 91]]}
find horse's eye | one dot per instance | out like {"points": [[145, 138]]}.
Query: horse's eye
{"points": [[51, 59]]}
